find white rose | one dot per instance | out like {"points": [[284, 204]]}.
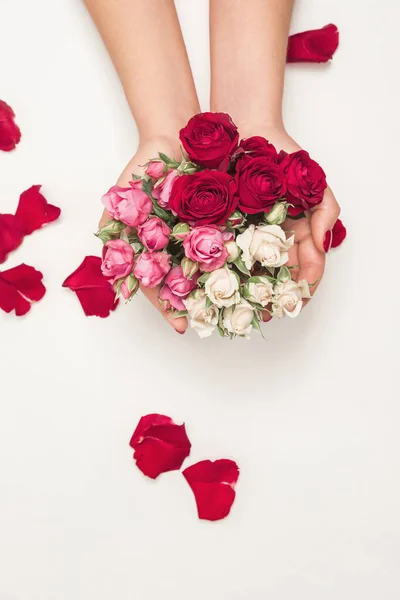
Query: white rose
{"points": [[222, 287], [259, 290], [288, 298], [233, 250], [238, 319], [266, 244], [202, 319]]}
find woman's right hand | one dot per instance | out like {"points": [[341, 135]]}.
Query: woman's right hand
{"points": [[144, 153]]}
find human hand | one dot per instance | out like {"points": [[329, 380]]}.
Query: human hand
{"points": [[145, 152], [308, 254]]}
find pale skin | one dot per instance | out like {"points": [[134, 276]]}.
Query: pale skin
{"points": [[248, 38]]}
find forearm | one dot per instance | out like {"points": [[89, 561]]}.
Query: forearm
{"points": [[144, 40], [248, 56]]}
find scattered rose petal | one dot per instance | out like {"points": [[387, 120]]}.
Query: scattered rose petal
{"points": [[11, 235], [20, 287], [10, 134], [316, 45], [160, 445], [337, 235], [34, 211], [94, 292], [213, 486]]}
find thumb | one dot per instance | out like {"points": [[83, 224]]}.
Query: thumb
{"points": [[323, 218]]}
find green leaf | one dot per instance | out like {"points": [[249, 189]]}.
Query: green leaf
{"points": [[135, 177], [208, 303], [147, 187], [256, 325], [203, 278], [221, 331], [124, 237], [179, 313], [161, 213], [283, 274], [241, 266]]}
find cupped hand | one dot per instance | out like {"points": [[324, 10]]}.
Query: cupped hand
{"points": [[308, 254], [145, 152]]}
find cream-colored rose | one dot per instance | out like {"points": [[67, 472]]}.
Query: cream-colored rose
{"points": [[233, 250], [238, 319], [266, 244], [259, 290], [202, 319], [222, 287], [288, 298]]}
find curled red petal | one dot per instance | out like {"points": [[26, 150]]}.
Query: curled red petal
{"points": [[144, 424], [20, 287], [316, 45], [10, 134], [34, 211], [335, 237], [160, 445], [11, 235], [95, 293], [213, 484]]}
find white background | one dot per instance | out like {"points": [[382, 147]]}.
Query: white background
{"points": [[311, 415]]}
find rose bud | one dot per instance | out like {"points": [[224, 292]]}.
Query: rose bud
{"points": [[110, 230], [233, 250], [129, 287], [180, 231], [258, 290], [118, 260], [154, 234], [277, 214], [155, 169], [189, 267], [238, 320], [235, 220]]}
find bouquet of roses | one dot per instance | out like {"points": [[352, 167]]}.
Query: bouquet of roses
{"points": [[207, 229]]}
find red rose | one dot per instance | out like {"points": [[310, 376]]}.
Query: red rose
{"points": [[204, 198], [209, 138], [258, 146], [10, 134], [306, 181], [260, 183]]}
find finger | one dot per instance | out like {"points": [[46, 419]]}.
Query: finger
{"points": [[294, 260], [179, 324], [323, 218], [312, 263], [104, 218]]}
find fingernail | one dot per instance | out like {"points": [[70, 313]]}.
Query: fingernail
{"points": [[328, 240], [180, 332]]}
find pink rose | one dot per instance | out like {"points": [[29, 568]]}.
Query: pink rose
{"points": [[162, 192], [154, 234], [130, 205], [169, 299], [118, 260], [205, 245], [179, 284], [155, 169], [151, 268]]}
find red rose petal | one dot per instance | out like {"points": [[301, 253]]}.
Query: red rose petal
{"points": [[10, 134], [11, 235], [316, 45], [212, 484], [95, 293], [19, 288], [34, 211], [160, 445], [338, 234]]}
